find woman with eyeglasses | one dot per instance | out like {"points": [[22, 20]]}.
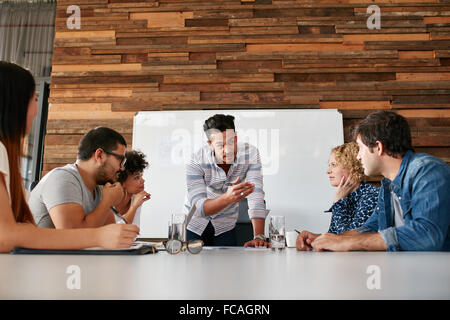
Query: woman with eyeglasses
{"points": [[133, 186], [18, 108]]}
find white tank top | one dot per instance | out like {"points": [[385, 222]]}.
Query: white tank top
{"points": [[4, 167]]}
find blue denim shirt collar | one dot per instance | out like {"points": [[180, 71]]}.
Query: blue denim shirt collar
{"points": [[396, 184]]}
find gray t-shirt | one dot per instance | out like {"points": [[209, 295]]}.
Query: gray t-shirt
{"points": [[398, 212], [61, 185]]}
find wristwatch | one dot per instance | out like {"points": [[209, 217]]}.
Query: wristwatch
{"points": [[260, 236]]}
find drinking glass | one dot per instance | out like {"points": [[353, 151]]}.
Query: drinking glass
{"points": [[277, 232]]}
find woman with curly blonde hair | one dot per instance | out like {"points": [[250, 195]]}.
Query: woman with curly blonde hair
{"points": [[354, 199]]}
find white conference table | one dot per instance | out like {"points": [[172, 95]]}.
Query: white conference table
{"points": [[229, 274]]}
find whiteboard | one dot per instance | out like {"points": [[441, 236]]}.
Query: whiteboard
{"points": [[294, 146]]}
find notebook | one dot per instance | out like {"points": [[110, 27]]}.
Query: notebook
{"points": [[138, 248]]}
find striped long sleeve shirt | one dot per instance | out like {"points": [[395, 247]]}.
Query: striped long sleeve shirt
{"points": [[206, 180]]}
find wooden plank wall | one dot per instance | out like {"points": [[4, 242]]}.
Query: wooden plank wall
{"points": [[132, 55]]}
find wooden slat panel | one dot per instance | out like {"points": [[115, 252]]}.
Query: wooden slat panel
{"points": [[218, 78], [255, 87], [263, 38], [221, 14], [263, 22], [263, 30], [425, 113], [407, 45], [306, 55], [122, 126], [342, 105], [423, 76], [206, 23], [434, 99], [133, 55], [162, 19], [243, 97], [66, 93], [248, 65], [416, 54], [100, 115], [182, 65], [173, 32], [356, 38], [152, 40], [215, 87], [167, 48], [88, 59], [85, 34], [353, 63], [316, 12], [130, 4], [302, 47], [97, 67], [377, 31], [327, 77], [82, 107], [72, 139]]}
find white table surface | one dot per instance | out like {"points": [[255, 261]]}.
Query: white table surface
{"points": [[229, 274]]}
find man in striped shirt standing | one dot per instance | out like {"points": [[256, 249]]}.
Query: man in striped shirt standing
{"points": [[219, 176]]}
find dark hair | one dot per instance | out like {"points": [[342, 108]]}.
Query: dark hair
{"points": [[219, 122], [100, 137], [135, 163], [390, 128], [17, 87]]}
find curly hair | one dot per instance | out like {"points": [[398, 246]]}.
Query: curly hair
{"points": [[135, 163], [345, 156]]}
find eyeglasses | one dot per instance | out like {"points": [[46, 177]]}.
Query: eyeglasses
{"points": [[121, 157], [175, 246]]}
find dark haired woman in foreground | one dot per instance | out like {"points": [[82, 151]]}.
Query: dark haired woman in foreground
{"points": [[18, 108], [133, 186]]}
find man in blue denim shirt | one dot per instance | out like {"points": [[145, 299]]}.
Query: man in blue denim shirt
{"points": [[413, 209]]}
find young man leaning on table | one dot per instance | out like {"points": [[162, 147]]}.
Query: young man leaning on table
{"points": [[413, 209], [71, 197], [219, 176]]}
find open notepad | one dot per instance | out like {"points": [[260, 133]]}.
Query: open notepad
{"points": [[138, 248]]}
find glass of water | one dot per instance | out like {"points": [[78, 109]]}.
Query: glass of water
{"points": [[277, 232], [177, 230]]}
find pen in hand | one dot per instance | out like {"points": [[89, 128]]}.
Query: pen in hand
{"points": [[297, 231], [120, 216]]}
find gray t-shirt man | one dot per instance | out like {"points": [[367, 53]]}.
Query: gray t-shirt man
{"points": [[61, 185], [398, 217]]}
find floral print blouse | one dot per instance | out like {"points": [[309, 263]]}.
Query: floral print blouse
{"points": [[352, 211]]}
